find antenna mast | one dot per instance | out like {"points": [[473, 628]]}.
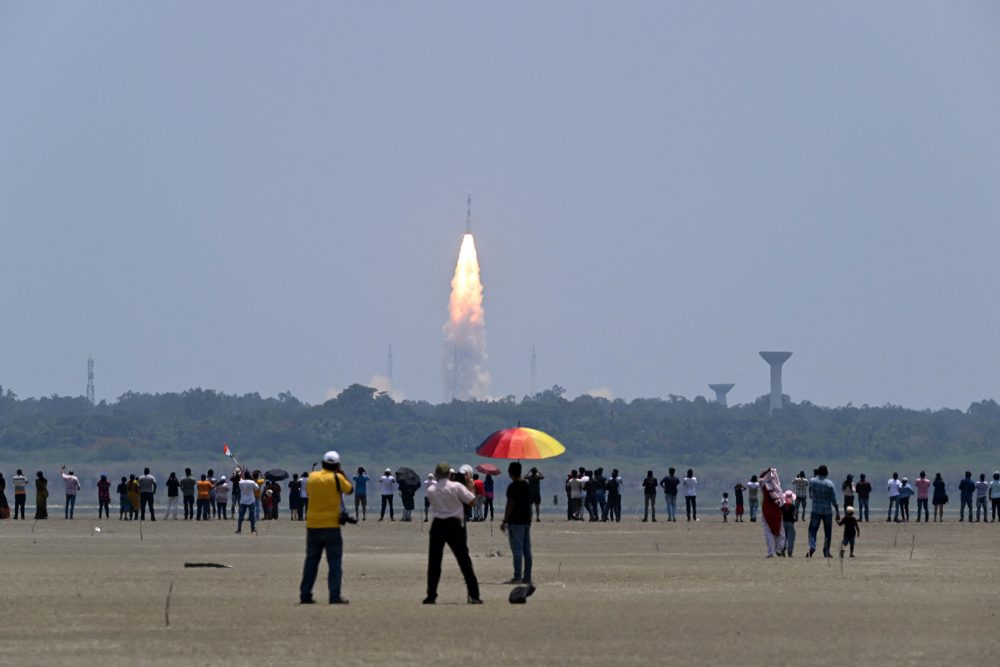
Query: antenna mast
{"points": [[534, 371], [388, 370]]}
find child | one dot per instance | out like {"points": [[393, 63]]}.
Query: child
{"points": [[725, 507], [739, 488], [852, 530], [789, 516]]}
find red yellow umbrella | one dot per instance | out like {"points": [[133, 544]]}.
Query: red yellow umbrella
{"points": [[520, 443]]}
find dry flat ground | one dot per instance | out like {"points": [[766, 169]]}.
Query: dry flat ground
{"points": [[694, 593]]}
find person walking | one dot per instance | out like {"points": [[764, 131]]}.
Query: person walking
{"points": [[327, 487], [893, 486], [104, 497], [824, 504], [615, 497], [772, 518], [188, 485], [248, 503], [966, 489], [940, 498], [852, 530], [448, 502], [517, 523], [800, 486], [72, 488], [690, 484], [360, 494], [173, 492], [864, 490], [789, 516], [387, 485], [20, 483], [753, 496], [147, 489], [982, 489], [535, 484], [42, 496], [923, 494], [649, 485], [669, 484]]}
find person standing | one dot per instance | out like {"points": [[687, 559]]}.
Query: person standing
{"points": [[800, 485], [994, 492], [649, 485], [753, 496], [134, 497], [574, 488], [965, 489], [387, 485], [615, 497], [326, 489], [4, 506], [448, 502], [789, 516], [905, 492], [982, 489], [188, 485], [72, 487], [923, 487], [772, 518], [940, 497], [488, 495], [360, 494], [738, 492], [690, 484], [173, 491], [669, 484], [295, 498], [304, 492], [824, 504], [852, 530], [893, 487], [480, 491], [847, 490], [20, 492], [222, 498], [535, 484], [204, 498], [104, 497], [42, 496], [517, 523], [864, 490], [124, 507], [147, 489], [248, 503]]}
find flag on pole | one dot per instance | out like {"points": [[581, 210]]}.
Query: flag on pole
{"points": [[225, 450]]}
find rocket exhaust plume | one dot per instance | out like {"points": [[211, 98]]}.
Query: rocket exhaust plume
{"points": [[465, 374]]}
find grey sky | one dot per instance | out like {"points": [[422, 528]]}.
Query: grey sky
{"points": [[254, 196]]}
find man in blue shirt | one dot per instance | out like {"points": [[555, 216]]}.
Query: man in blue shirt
{"points": [[966, 488], [824, 504], [361, 494]]}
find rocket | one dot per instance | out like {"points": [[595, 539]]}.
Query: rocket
{"points": [[468, 214]]}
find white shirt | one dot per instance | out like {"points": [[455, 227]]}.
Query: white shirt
{"points": [[752, 488], [247, 488], [575, 488], [894, 485], [690, 485], [448, 499], [302, 489], [20, 484], [386, 483], [222, 493], [72, 484]]}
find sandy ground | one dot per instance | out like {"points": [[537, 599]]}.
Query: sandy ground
{"points": [[694, 593]]}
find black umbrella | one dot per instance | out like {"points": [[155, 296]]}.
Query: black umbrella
{"points": [[407, 477], [276, 475]]}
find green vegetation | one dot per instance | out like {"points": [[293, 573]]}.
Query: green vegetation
{"points": [[370, 428]]}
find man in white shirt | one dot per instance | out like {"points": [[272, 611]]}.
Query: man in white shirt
{"points": [[448, 502], [21, 492], [753, 495], [147, 489], [894, 486], [248, 503], [575, 487], [690, 484], [387, 484], [72, 486]]}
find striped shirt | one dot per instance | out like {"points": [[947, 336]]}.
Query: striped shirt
{"points": [[824, 495]]}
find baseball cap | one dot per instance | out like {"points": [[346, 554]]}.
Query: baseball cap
{"points": [[331, 457]]}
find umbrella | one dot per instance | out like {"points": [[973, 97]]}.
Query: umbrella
{"points": [[488, 469], [520, 443], [276, 475], [407, 477]]}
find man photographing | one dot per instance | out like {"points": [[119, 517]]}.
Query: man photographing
{"points": [[448, 502], [325, 489]]}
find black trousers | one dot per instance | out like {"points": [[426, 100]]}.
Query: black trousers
{"points": [[188, 507], [387, 500], [104, 506], [452, 533], [146, 499], [19, 504], [615, 507], [691, 505]]}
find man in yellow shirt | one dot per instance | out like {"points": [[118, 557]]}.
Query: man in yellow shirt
{"points": [[325, 488]]}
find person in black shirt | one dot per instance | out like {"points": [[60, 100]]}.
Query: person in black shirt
{"points": [[670, 484], [590, 496], [852, 530], [738, 490], [649, 495], [615, 497], [517, 523], [173, 486], [535, 484]]}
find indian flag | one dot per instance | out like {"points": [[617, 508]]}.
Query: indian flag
{"points": [[225, 450]]}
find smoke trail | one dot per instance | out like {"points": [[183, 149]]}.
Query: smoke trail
{"points": [[465, 374]]}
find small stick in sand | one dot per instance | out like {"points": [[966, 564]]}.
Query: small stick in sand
{"points": [[657, 545], [166, 611], [913, 545]]}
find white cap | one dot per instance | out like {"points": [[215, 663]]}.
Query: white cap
{"points": [[388, 471], [331, 457]]}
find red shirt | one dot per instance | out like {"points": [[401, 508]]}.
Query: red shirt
{"points": [[477, 484], [922, 486]]}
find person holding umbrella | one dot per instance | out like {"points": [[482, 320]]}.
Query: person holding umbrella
{"points": [[517, 523], [448, 502], [326, 489]]}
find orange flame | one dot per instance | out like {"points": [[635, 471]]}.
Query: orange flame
{"points": [[465, 332]]}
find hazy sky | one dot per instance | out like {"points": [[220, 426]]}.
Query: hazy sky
{"points": [[259, 196]]}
